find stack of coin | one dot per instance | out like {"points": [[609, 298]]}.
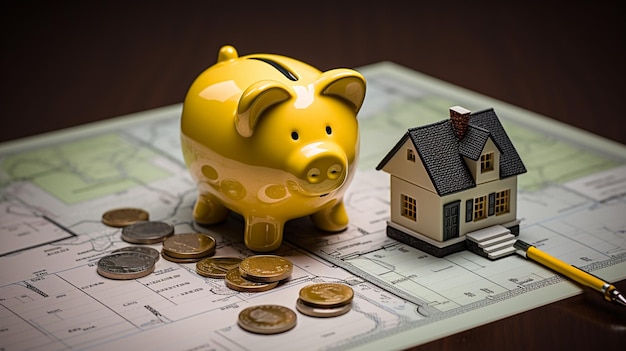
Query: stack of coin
{"points": [[147, 232], [121, 217], [217, 266], [258, 273], [265, 268], [234, 281], [126, 265], [325, 299], [188, 247], [267, 319]]}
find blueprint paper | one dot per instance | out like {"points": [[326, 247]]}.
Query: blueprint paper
{"points": [[54, 189]]}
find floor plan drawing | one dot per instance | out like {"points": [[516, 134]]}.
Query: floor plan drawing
{"points": [[54, 189]]}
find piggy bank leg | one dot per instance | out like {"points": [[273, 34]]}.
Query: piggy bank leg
{"points": [[331, 219], [262, 235], [209, 210]]}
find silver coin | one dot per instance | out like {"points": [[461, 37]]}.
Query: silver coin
{"points": [[154, 253], [126, 265], [323, 312], [147, 232], [267, 319]]}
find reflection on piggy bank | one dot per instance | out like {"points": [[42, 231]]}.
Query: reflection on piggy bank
{"points": [[273, 139]]}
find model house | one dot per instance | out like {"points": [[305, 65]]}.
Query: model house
{"points": [[454, 186]]}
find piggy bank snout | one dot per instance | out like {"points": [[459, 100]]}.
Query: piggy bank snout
{"points": [[320, 168], [328, 167]]}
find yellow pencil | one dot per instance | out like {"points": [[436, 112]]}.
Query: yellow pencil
{"points": [[608, 290]]}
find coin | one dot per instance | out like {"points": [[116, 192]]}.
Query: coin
{"points": [[265, 268], [323, 312], [147, 232], [125, 265], [154, 253], [121, 217], [180, 260], [189, 245], [267, 319], [234, 281], [216, 267], [326, 295]]}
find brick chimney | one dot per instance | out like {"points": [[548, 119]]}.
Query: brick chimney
{"points": [[459, 117]]}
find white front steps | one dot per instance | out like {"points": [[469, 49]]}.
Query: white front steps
{"points": [[491, 242]]}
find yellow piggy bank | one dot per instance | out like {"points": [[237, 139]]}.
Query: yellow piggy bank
{"points": [[273, 139]]}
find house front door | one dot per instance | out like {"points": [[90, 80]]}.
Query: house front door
{"points": [[451, 220]]}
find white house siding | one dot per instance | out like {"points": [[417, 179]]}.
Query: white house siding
{"points": [[430, 206], [413, 172], [429, 215], [474, 166], [485, 189]]}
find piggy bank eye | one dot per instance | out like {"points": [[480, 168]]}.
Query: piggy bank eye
{"points": [[294, 135], [329, 130]]}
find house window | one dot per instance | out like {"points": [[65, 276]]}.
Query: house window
{"points": [[502, 202], [410, 155], [480, 208], [486, 162], [469, 210], [408, 207], [492, 204]]}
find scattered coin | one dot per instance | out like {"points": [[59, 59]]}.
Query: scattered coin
{"points": [[154, 253], [265, 268], [326, 295], [147, 232], [126, 265], [323, 312], [180, 259], [121, 217], [267, 319], [189, 245], [216, 267], [234, 281]]}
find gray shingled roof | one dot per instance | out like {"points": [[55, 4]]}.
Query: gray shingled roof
{"points": [[442, 153]]}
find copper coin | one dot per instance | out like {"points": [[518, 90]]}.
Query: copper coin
{"points": [[217, 266], [189, 245], [234, 281], [184, 259], [265, 268], [121, 217], [326, 294]]}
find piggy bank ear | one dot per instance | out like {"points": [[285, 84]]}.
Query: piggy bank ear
{"points": [[258, 97], [346, 84]]}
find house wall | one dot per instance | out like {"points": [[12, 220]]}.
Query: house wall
{"points": [[414, 172], [430, 206], [474, 166], [429, 214], [486, 189]]}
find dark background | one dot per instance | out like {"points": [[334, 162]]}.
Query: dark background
{"points": [[66, 63]]}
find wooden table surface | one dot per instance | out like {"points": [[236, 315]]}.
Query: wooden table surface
{"points": [[69, 63]]}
